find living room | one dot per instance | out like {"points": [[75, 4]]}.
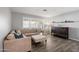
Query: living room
{"points": [[46, 29]]}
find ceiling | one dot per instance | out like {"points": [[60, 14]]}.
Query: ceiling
{"points": [[39, 11]]}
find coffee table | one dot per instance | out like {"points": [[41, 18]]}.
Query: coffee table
{"points": [[39, 38]]}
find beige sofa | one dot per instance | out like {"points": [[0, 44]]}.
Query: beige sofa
{"points": [[29, 32], [17, 45]]}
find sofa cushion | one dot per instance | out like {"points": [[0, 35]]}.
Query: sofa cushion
{"points": [[18, 36], [10, 36], [12, 32]]}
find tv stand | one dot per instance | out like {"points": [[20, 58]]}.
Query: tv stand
{"points": [[60, 32]]}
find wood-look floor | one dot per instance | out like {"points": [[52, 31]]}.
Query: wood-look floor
{"points": [[56, 44]]}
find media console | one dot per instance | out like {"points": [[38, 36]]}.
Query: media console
{"points": [[60, 32]]}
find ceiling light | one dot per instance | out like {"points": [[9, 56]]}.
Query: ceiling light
{"points": [[44, 9]]}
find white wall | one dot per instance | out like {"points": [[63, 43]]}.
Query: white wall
{"points": [[16, 21], [73, 27], [5, 24]]}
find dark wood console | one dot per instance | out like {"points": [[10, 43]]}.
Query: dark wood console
{"points": [[60, 32]]}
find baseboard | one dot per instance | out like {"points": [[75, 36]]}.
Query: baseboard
{"points": [[73, 39]]}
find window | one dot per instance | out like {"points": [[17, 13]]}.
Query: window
{"points": [[32, 24], [25, 24]]}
